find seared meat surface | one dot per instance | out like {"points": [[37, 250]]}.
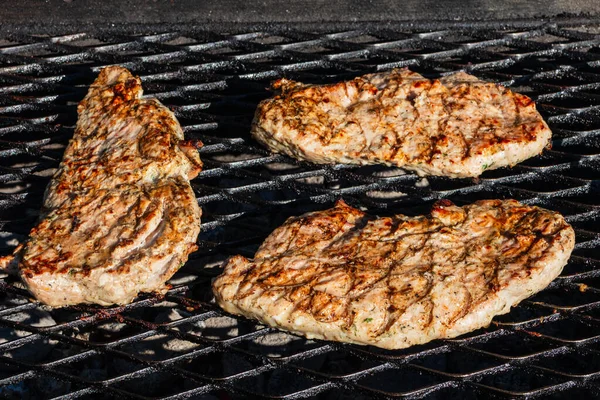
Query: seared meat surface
{"points": [[457, 126], [119, 215], [394, 282]]}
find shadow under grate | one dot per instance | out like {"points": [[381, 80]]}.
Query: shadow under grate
{"points": [[183, 346]]}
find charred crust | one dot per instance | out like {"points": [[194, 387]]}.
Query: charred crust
{"points": [[521, 100], [123, 91], [412, 95], [442, 203], [191, 143]]}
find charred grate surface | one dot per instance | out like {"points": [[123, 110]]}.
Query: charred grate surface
{"points": [[182, 346]]}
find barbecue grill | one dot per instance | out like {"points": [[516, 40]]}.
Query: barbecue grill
{"points": [[181, 345]]}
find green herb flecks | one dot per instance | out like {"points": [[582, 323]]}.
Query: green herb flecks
{"points": [[486, 166]]}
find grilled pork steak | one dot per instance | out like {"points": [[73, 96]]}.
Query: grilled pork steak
{"points": [[119, 215], [395, 282], [457, 126]]}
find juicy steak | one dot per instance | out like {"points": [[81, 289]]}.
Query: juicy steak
{"points": [[457, 126], [397, 281], [119, 215]]}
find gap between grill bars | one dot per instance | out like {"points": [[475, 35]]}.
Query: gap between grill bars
{"points": [[182, 346]]}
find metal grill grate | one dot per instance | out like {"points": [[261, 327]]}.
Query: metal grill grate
{"points": [[182, 346]]}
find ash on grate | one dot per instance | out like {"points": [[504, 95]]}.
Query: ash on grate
{"points": [[28, 321], [278, 344]]}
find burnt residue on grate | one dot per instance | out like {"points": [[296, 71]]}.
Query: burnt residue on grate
{"points": [[182, 346]]}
